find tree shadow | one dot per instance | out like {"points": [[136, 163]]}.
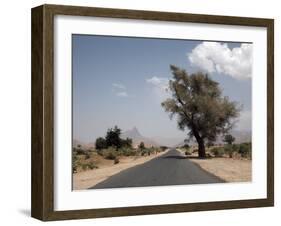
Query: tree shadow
{"points": [[185, 157], [197, 157], [174, 157]]}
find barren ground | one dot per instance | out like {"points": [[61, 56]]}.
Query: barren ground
{"points": [[230, 170]]}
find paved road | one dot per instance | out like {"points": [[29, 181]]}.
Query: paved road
{"points": [[172, 168]]}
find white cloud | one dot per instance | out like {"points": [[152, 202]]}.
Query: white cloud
{"points": [[118, 86], [160, 86], [216, 57], [119, 90], [122, 94]]}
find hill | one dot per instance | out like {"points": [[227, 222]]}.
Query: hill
{"points": [[137, 137]]}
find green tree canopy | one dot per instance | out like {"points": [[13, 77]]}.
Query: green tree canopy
{"points": [[229, 139], [113, 137], [101, 143], [197, 102]]}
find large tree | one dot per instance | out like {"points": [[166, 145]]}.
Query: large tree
{"points": [[197, 102], [113, 137]]}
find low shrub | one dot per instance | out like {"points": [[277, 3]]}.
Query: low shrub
{"points": [[92, 165], [74, 168], [84, 166], [100, 152], [228, 149], [87, 155], [110, 155], [127, 152], [80, 152], [217, 151], [142, 152], [195, 151], [185, 146], [187, 153], [74, 162], [152, 150], [233, 149], [245, 149], [148, 151]]}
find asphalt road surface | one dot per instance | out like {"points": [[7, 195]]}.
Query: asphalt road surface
{"points": [[172, 168]]}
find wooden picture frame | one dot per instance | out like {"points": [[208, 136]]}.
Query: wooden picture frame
{"points": [[42, 203]]}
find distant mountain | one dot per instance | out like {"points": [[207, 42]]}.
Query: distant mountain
{"points": [[137, 137]]}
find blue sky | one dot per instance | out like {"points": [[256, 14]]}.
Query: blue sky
{"points": [[119, 81]]}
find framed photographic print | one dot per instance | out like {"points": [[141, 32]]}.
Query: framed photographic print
{"points": [[141, 112]]}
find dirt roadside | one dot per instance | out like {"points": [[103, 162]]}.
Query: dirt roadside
{"points": [[87, 179]]}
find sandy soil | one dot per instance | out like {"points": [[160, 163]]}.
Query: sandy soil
{"points": [[230, 170], [87, 179]]}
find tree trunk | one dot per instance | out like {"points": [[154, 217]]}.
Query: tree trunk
{"points": [[201, 148], [200, 141]]}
